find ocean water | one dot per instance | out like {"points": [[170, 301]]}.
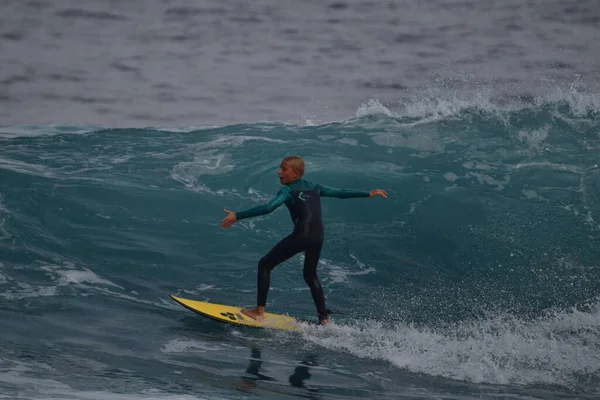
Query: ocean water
{"points": [[127, 127]]}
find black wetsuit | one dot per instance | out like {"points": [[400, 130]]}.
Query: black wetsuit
{"points": [[302, 199]]}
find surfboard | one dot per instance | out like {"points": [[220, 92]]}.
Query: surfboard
{"points": [[233, 315]]}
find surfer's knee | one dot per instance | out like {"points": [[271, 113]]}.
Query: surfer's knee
{"points": [[265, 264], [311, 279]]}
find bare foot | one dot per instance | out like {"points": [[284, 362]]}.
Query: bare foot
{"points": [[257, 314], [324, 322]]}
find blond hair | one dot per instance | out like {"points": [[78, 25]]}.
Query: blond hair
{"points": [[296, 162]]}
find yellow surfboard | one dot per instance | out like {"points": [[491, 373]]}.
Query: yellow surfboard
{"points": [[233, 315]]}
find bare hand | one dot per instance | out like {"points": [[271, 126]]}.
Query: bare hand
{"points": [[229, 220], [378, 192]]}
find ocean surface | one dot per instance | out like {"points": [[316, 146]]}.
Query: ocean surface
{"points": [[126, 129]]}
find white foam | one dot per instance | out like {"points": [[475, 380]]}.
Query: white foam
{"points": [[16, 377], [438, 106], [204, 164], [259, 196], [229, 141], [203, 287], [487, 179], [579, 103], [532, 194], [56, 173], [534, 138], [549, 165], [416, 204], [450, 176], [382, 169], [435, 104], [498, 350], [373, 107], [478, 165], [326, 137], [25, 168], [61, 276], [340, 273], [82, 276], [188, 346], [25, 291], [120, 160], [190, 173], [349, 141], [451, 187]]}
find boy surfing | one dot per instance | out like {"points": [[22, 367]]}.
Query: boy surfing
{"points": [[303, 200]]}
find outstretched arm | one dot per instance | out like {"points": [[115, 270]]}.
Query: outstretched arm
{"points": [[326, 191], [283, 196]]}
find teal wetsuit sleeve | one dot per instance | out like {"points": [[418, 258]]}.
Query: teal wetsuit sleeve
{"points": [[326, 191], [282, 196]]}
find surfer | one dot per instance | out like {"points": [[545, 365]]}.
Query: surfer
{"points": [[302, 199]]}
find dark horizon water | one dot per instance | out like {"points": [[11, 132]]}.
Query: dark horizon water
{"points": [[189, 63]]}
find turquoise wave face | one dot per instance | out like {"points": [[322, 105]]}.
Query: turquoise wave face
{"points": [[487, 210], [492, 216]]}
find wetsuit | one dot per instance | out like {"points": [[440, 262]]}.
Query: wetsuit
{"points": [[302, 199]]}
